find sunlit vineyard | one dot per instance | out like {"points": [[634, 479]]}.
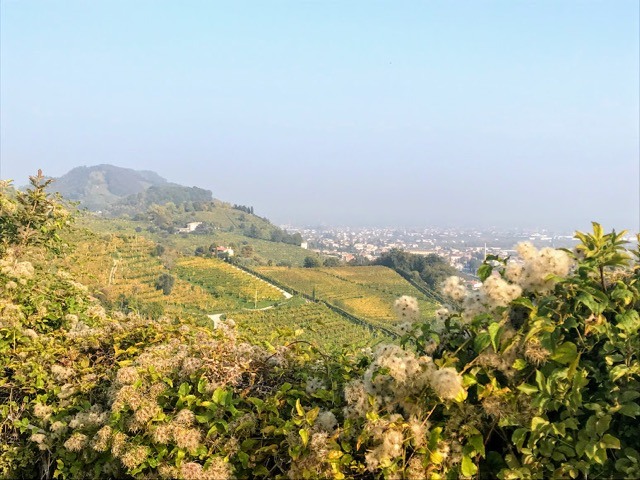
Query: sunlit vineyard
{"points": [[313, 322], [366, 292], [122, 265], [224, 280]]}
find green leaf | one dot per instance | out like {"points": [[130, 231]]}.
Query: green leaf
{"points": [[565, 353], [304, 435], [537, 422], [299, 408], [468, 468], [218, 395], [477, 442], [519, 364], [628, 322], [524, 302], [588, 301], [602, 425], [481, 342], [519, 436], [528, 389], [184, 389], [484, 271], [202, 385], [312, 415], [494, 334], [629, 395], [609, 441], [244, 458], [260, 471], [541, 381], [631, 409]]}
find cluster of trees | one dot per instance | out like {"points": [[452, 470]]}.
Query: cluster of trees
{"points": [[315, 262], [282, 236], [244, 209], [431, 269]]}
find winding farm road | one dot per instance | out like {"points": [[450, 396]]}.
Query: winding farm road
{"points": [[286, 295], [217, 317]]}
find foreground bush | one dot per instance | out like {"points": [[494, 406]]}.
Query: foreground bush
{"points": [[534, 375]]}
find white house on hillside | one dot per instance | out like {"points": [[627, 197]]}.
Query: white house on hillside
{"points": [[191, 226]]}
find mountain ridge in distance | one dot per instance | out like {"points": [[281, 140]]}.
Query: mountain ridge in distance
{"points": [[105, 187]]}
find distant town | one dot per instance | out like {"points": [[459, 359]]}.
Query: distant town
{"points": [[463, 248]]}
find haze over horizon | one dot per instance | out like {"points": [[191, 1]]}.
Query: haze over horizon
{"points": [[505, 114]]}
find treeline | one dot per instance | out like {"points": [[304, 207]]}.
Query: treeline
{"points": [[430, 269], [243, 208], [192, 197]]}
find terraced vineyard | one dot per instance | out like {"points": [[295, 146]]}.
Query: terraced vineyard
{"points": [[122, 265], [366, 292], [320, 325], [224, 280]]}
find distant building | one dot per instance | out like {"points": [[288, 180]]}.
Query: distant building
{"points": [[191, 226], [304, 245], [224, 251]]}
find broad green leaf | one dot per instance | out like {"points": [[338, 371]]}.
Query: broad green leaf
{"points": [[541, 381], [602, 425], [311, 415], [481, 342], [528, 389], [565, 353], [494, 333], [184, 389], [218, 395], [519, 364], [299, 408], [628, 322], [519, 436], [524, 302], [244, 458], [477, 442], [537, 422], [468, 468], [484, 271], [631, 409], [609, 441]]}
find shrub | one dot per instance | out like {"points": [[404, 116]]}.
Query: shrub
{"points": [[311, 262], [165, 283]]}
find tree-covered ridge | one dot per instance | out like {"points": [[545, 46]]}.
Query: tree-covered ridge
{"points": [[534, 375], [99, 186]]}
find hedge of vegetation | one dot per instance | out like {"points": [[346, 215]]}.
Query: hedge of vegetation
{"points": [[534, 375]]}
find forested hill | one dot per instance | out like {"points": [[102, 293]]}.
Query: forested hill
{"points": [[118, 190], [156, 205]]}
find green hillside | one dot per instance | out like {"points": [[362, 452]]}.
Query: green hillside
{"points": [[225, 234], [366, 292]]}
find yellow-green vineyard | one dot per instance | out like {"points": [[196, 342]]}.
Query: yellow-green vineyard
{"points": [[222, 279], [366, 292], [122, 265], [121, 268], [312, 322]]}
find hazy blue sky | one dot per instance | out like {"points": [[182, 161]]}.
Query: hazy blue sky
{"points": [[507, 113]]}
